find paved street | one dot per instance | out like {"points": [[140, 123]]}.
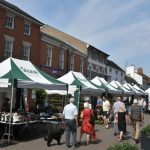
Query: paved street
{"points": [[105, 139]]}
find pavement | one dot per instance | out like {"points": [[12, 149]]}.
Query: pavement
{"points": [[105, 139]]}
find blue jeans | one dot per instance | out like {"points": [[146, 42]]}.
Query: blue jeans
{"points": [[71, 128]]}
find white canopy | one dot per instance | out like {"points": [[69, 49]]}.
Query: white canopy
{"points": [[27, 75], [139, 89], [103, 83], [76, 78], [130, 87], [117, 85]]}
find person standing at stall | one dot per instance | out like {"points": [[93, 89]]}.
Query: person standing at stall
{"points": [[70, 115]]}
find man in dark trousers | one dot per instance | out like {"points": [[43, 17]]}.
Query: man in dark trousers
{"points": [[136, 116]]}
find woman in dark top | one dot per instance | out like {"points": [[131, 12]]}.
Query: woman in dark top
{"points": [[122, 118]]}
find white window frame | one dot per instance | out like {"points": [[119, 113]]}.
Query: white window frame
{"points": [[27, 31], [10, 21], [8, 49], [81, 65], [72, 62], [26, 50], [49, 56], [61, 60]]}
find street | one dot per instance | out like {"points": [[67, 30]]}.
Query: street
{"points": [[105, 139]]}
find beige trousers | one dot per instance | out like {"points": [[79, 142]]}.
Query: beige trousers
{"points": [[136, 129]]}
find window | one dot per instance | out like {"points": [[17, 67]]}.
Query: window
{"points": [[121, 73], [49, 56], [110, 69], [10, 21], [90, 71], [72, 62], [81, 65], [27, 29], [8, 46], [116, 72], [61, 60], [26, 50]]}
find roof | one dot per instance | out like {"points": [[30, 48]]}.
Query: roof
{"points": [[145, 77], [17, 9], [74, 42], [92, 47], [114, 65], [131, 80]]}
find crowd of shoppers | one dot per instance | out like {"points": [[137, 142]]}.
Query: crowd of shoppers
{"points": [[122, 111]]}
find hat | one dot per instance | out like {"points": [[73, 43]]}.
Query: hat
{"points": [[135, 101]]}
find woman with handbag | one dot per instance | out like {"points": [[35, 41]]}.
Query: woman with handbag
{"points": [[87, 125]]}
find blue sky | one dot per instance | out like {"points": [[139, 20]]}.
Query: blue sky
{"points": [[120, 28]]}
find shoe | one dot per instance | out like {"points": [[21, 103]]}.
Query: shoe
{"points": [[136, 141], [74, 147], [115, 134], [68, 146]]}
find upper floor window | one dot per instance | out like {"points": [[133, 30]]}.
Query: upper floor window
{"points": [[27, 28], [110, 69], [121, 73], [49, 56], [81, 65], [116, 71], [72, 62], [26, 50], [8, 46], [61, 60], [10, 21]]}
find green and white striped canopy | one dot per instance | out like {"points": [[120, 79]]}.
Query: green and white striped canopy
{"points": [[28, 76], [77, 78]]}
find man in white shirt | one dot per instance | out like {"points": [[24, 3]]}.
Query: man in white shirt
{"points": [[70, 115]]}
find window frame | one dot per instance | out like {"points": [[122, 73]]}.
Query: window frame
{"points": [[28, 46], [61, 59], [29, 30], [8, 51], [8, 22], [49, 56]]}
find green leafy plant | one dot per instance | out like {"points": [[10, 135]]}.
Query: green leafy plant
{"points": [[123, 146], [40, 96], [146, 130]]}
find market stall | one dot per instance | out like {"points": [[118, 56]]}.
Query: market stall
{"points": [[23, 74]]}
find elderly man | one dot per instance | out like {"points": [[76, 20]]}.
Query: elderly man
{"points": [[136, 116], [70, 115]]}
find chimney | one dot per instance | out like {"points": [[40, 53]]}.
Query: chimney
{"points": [[140, 70]]}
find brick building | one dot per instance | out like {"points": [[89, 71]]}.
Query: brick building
{"points": [[61, 52], [19, 34]]}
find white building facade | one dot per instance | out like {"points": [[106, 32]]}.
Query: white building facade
{"points": [[114, 72]]}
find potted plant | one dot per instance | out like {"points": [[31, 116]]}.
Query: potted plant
{"points": [[123, 146], [40, 96], [145, 138]]}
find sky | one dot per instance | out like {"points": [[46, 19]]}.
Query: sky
{"points": [[120, 28]]}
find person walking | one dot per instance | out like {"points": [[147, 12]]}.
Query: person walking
{"points": [[116, 107], [106, 109], [136, 116], [121, 117], [70, 115], [99, 107], [87, 126]]}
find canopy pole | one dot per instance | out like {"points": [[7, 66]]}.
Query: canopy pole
{"points": [[11, 103]]}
